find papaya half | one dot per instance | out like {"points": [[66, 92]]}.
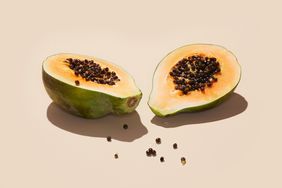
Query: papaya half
{"points": [[192, 78], [88, 86]]}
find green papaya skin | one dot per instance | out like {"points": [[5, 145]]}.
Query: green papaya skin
{"points": [[87, 103], [196, 108]]}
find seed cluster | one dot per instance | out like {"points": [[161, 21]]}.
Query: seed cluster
{"points": [[151, 152], [91, 71], [195, 73]]}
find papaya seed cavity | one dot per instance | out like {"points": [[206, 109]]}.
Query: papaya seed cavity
{"points": [[195, 72], [91, 71]]}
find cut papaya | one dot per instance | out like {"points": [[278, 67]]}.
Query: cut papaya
{"points": [[192, 78], [88, 86]]}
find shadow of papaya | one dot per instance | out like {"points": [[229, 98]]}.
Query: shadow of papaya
{"points": [[111, 125], [233, 106]]}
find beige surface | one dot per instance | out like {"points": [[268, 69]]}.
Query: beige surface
{"points": [[235, 145]]}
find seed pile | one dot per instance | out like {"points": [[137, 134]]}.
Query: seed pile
{"points": [[76, 82], [195, 73], [91, 71], [151, 152]]}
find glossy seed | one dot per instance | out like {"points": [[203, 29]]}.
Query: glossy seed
{"points": [[154, 153], [76, 82], [109, 139], [158, 140], [125, 126], [116, 155], [162, 159], [183, 160], [174, 146]]}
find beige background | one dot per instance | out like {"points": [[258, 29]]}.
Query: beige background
{"points": [[237, 144]]}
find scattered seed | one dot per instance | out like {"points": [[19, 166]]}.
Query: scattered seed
{"points": [[162, 159], [154, 153], [183, 160], [175, 146], [109, 139], [76, 82], [125, 126], [116, 156], [158, 140]]}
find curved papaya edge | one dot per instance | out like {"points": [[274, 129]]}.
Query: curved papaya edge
{"points": [[196, 108], [87, 103]]}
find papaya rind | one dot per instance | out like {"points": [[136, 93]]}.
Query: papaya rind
{"points": [[87, 103], [195, 108]]}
